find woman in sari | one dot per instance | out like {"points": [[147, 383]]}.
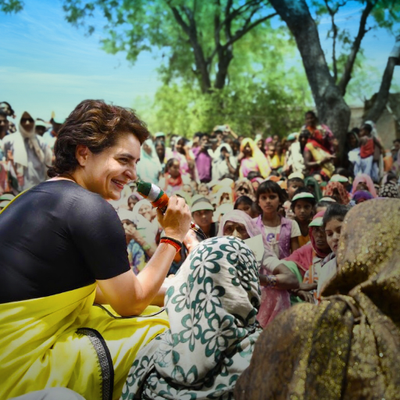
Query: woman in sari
{"points": [[348, 346], [338, 192], [243, 187], [149, 167], [212, 305], [69, 252], [319, 150], [364, 182], [252, 159]]}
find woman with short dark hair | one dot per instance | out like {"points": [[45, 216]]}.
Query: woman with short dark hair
{"points": [[63, 247]]}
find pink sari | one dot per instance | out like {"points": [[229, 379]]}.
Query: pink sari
{"points": [[273, 301]]}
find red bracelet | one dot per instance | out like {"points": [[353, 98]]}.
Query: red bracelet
{"points": [[172, 243]]}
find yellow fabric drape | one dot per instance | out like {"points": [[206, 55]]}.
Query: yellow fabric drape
{"points": [[318, 155], [258, 156], [40, 348]]}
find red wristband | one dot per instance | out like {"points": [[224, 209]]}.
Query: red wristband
{"points": [[172, 243]]}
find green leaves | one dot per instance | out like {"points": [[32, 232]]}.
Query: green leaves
{"points": [[11, 6]]}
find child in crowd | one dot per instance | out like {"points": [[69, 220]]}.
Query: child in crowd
{"points": [[172, 180], [282, 233], [332, 223], [245, 204], [309, 260], [302, 206], [294, 182]]}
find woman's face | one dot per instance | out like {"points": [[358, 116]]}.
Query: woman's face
{"points": [[131, 202], [247, 151], [303, 140], [27, 121], [179, 146], [107, 173], [160, 150], [242, 190], [260, 144], [225, 199], [146, 148], [235, 229], [311, 120], [145, 211], [333, 229], [271, 150], [319, 235]]}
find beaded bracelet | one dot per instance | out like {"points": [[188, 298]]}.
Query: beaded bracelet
{"points": [[173, 242], [271, 281]]}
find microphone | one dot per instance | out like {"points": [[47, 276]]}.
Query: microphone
{"points": [[159, 199]]}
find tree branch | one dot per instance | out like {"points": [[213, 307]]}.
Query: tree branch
{"points": [[383, 95], [242, 31], [191, 31], [348, 69]]}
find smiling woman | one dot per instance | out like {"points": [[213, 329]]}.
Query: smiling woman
{"points": [[70, 251]]}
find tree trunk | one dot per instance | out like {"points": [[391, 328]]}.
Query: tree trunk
{"points": [[331, 107], [383, 95]]}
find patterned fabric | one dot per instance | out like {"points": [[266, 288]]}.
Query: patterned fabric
{"points": [[273, 301], [389, 189], [347, 347], [212, 307]]}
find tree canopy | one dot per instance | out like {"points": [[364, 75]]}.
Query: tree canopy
{"points": [[233, 61]]}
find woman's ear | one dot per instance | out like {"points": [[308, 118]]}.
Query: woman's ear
{"points": [[81, 154]]}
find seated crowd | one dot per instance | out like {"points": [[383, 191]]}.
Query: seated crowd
{"points": [[270, 216]]}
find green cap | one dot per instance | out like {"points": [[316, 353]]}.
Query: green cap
{"points": [[339, 178], [303, 195], [202, 205]]}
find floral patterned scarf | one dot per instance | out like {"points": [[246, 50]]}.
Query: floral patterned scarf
{"points": [[212, 307]]}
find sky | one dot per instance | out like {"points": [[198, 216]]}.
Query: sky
{"points": [[46, 64]]}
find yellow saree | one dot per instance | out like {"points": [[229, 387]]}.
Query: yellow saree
{"points": [[65, 341]]}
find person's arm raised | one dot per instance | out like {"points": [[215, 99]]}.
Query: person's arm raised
{"points": [[129, 294]]}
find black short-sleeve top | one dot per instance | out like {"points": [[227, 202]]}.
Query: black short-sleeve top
{"points": [[58, 237]]}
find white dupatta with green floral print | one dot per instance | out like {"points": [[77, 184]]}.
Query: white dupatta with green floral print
{"points": [[212, 307]]}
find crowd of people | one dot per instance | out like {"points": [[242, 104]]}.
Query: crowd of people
{"points": [[269, 217]]}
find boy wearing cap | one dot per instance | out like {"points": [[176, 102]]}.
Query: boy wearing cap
{"points": [[303, 204], [202, 213]]}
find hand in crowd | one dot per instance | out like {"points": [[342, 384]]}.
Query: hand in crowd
{"points": [[132, 233], [176, 220], [190, 240]]}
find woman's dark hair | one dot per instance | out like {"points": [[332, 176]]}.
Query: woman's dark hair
{"points": [[322, 203], [159, 142], [270, 186], [12, 112], [307, 199], [335, 211], [96, 125], [243, 200], [169, 164], [311, 113], [253, 174]]}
